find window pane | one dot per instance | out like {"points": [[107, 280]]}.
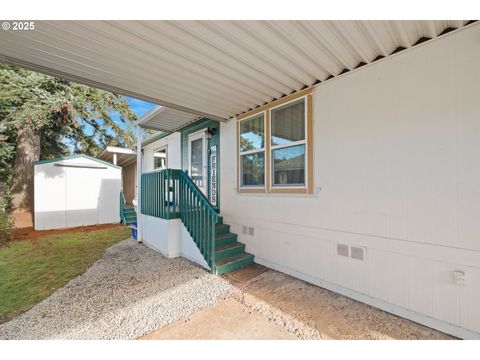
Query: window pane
{"points": [[253, 169], [196, 161], [252, 134], [289, 165], [288, 123], [160, 159]]}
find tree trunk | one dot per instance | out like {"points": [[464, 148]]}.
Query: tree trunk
{"points": [[27, 152]]}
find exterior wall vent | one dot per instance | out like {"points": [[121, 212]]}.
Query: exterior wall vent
{"points": [[244, 230], [250, 231], [342, 250], [358, 253]]}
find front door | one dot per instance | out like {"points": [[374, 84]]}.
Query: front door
{"points": [[197, 160]]}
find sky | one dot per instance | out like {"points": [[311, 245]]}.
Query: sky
{"points": [[139, 107]]}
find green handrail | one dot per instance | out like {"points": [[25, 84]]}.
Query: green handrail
{"points": [[170, 194], [123, 220]]}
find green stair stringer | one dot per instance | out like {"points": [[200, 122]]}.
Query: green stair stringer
{"points": [[217, 244]]}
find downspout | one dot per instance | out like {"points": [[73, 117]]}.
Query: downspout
{"points": [[139, 184]]}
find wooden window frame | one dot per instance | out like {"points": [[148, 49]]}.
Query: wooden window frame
{"points": [[252, 189], [309, 143]]}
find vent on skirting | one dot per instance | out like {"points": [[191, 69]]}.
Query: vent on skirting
{"points": [[342, 250], [358, 253]]}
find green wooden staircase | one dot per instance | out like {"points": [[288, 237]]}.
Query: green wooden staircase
{"points": [[127, 214], [170, 194], [230, 254]]}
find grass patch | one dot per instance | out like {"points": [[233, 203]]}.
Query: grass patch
{"points": [[31, 270]]}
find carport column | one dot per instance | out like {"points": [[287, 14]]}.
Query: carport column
{"points": [[139, 184]]}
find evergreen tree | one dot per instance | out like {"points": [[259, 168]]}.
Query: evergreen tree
{"points": [[43, 117]]}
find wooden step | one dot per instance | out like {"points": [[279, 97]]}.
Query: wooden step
{"points": [[224, 239], [227, 250], [221, 229], [231, 263]]}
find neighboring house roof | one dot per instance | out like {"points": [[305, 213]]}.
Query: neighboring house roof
{"points": [[296, 163], [124, 156], [63, 158]]}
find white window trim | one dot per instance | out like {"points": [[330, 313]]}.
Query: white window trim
{"points": [[255, 151], [166, 157], [200, 134], [295, 143]]}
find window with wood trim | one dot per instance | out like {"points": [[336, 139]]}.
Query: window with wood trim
{"points": [[276, 147], [288, 144], [252, 151]]}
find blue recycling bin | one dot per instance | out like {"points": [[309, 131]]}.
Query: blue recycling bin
{"points": [[133, 226]]}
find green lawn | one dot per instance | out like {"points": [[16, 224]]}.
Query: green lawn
{"points": [[31, 270]]}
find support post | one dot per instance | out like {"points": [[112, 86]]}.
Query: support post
{"points": [[139, 184], [114, 158]]}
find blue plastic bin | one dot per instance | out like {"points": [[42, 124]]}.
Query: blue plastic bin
{"points": [[133, 226]]}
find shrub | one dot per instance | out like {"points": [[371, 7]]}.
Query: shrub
{"points": [[6, 225]]}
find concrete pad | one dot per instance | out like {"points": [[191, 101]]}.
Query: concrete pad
{"points": [[229, 319]]}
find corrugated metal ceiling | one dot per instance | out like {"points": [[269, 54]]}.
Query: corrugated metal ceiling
{"points": [[166, 119], [209, 68]]}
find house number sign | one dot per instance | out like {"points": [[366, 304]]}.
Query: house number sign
{"points": [[213, 175]]}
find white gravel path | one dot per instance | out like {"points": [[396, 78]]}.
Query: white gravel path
{"points": [[127, 293]]}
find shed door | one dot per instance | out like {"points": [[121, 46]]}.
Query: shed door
{"points": [[82, 196]]}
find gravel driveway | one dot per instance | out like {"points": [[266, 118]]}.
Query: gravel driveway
{"points": [[127, 293]]}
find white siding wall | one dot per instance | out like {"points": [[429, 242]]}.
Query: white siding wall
{"points": [[171, 238], [397, 149], [168, 236], [174, 154]]}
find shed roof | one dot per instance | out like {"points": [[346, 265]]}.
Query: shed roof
{"points": [[63, 158]]}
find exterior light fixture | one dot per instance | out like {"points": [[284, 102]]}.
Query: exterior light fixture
{"points": [[210, 132]]}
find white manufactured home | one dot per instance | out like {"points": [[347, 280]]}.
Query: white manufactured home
{"points": [[342, 153]]}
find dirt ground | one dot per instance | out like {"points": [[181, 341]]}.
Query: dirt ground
{"points": [[27, 233], [271, 305]]}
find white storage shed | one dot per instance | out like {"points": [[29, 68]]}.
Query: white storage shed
{"points": [[76, 191]]}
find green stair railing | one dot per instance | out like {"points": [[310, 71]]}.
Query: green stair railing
{"points": [[171, 194], [122, 207], [199, 218], [160, 191]]}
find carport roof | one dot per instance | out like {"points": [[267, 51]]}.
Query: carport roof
{"points": [[214, 69], [166, 119], [125, 156]]}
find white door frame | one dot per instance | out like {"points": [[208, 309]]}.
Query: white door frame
{"points": [[192, 137]]}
